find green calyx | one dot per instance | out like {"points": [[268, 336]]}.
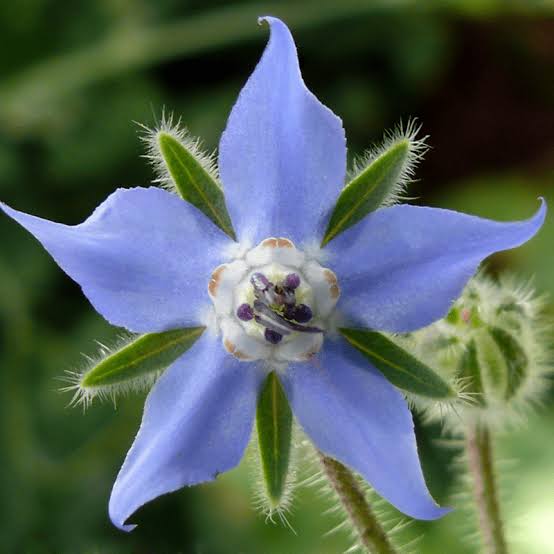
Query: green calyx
{"points": [[500, 362], [190, 172], [469, 370], [379, 181], [141, 359], [400, 367], [274, 429]]}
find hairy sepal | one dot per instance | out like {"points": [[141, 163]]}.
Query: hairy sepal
{"points": [[502, 362], [274, 425], [379, 178], [400, 367], [495, 346], [182, 166], [133, 365]]}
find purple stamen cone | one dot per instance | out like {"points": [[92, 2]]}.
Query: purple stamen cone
{"points": [[272, 336], [289, 311], [245, 312], [292, 281], [259, 281], [302, 313]]}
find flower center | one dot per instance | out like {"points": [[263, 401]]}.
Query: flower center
{"points": [[276, 309], [273, 303]]}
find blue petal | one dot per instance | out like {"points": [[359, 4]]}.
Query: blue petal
{"points": [[402, 267], [197, 422], [282, 157], [353, 414], [143, 258]]}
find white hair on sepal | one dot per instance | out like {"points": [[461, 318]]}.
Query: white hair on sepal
{"points": [[446, 411], [167, 126], [261, 502], [417, 148], [84, 395]]}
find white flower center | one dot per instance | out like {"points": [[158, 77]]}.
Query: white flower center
{"points": [[273, 303]]}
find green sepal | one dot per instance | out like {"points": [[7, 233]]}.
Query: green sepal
{"points": [[470, 371], [142, 357], [515, 359], [194, 182], [492, 363], [401, 368], [274, 426], [369, 189]]}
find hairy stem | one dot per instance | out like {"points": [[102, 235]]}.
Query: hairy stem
{"points": [[370, 532], [481, 468]]}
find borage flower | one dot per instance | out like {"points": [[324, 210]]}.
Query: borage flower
{"points": [[149, 262]]}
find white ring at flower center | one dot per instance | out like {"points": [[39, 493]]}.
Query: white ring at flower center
{"points": [[230, 287]]}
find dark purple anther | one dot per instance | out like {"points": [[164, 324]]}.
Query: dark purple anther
{"points": [[259, 281], [289, 311], [272, 336], [245, 312], [302, 313], [292, 281]]}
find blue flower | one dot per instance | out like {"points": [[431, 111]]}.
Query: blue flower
{"points": [[149, 262]]}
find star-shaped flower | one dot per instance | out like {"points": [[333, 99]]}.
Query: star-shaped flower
{"points": [[150, 262]]}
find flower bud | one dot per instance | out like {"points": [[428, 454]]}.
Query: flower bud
{"points": [[493, 343]]}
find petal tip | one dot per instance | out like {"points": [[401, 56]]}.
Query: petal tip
{"points": [[119, 522], [536, 221], [270, 20], [436, 513], [127, 528], [117, 518], [6, 209], [278, 28], [543, 208]]}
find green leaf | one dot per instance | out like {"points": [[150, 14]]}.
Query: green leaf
{"points": [[398, 366], [370, 188], [274, 425], [148, 354], [515, 358], [193, 180]]}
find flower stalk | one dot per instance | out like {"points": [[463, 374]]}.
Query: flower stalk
{"points": [[371, 534], [481, 468]]}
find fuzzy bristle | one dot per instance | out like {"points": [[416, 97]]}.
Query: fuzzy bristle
{"points": [[166, 125], [442, 345], [417, 147], [84, 395], [397, 527], [463, 499], [273, 513]]}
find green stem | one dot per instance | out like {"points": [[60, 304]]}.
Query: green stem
{"points": [[481, 468], [370, 532]]}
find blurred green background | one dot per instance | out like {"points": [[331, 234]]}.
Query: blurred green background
{"points": [[76, 75]]}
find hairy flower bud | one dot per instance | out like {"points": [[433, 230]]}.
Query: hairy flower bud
{"points": [[493, 343]]}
